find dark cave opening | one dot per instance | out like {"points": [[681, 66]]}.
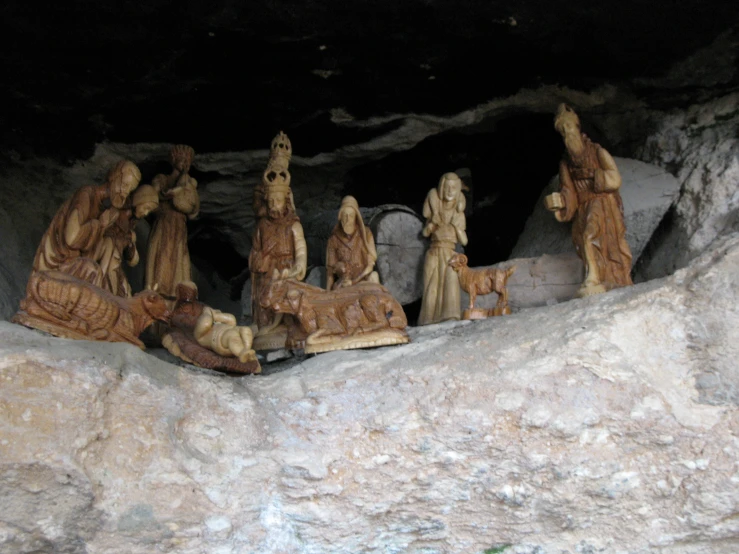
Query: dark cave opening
{"points": [[506, 165]]}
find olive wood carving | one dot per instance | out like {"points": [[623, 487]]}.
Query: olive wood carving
{"points": [[482, 281], [277, 244], [123, 235], [276, 174], [206, 337], [167, 257], [351, 252], [89, 226], [361, 316], [589, 197], [67, 306], [446, 225]]}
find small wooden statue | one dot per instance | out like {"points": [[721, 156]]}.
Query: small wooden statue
{"points": [[350, 253], [278, 244], [123, 235], [361, 316], [67, 306], [589, 197], [482, 281], [207, 337], [83, 228], [168, 258], [445, 224]]}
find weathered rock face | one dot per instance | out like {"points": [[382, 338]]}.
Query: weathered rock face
{"points": [[647, 192], [605, 424], [12, 267], [701, 146]]}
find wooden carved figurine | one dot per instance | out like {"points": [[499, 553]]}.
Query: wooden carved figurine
{"points": [[589, 197], [360, 316], [482, 281], [278, 244], [207, 337], [123, 235], [276, 174], [351, 253], [67, 306], [167, 258], [82, 228], [445, 224]]}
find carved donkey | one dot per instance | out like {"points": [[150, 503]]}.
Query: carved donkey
{"points": [[327, 315], [64, 305]]}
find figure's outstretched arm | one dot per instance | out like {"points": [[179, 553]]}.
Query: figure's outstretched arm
{"points": [[223, 317], [81, 233], [608, 178], [301, 253]]}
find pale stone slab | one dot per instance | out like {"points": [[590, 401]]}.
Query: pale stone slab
{"points": [[647, 192]]}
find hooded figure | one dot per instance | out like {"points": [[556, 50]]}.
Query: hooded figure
{"points": [[351, 252], [446, 225]]}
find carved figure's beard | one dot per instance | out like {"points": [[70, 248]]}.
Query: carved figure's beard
{"points": [[574, 144], [276, 213]]}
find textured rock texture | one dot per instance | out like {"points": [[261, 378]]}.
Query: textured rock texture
{"points": [[647, 191], [605, 424], [12, 268], [701, 146]]}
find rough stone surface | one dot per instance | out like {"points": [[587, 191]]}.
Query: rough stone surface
{"points": [[701, 146], [647, 191], [15, 263], [541, 281], [604, 424], [401, 251], [246, 314], [317, 277]]}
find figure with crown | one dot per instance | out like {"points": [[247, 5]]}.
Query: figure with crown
{"points": [[589, 197], [278, 243]]}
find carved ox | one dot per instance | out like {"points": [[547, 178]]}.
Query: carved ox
{"points": [[324, 316], [66, 306]]}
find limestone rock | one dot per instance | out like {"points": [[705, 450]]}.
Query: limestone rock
{"points": [[12, 268], [701, 144], [400, 252], [317, 277], [604, 424], [246, 314], [647, 191]]}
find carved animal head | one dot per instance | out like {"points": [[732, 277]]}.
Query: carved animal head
{"points": [[457, 261], [292, 303], [153, 305]]}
